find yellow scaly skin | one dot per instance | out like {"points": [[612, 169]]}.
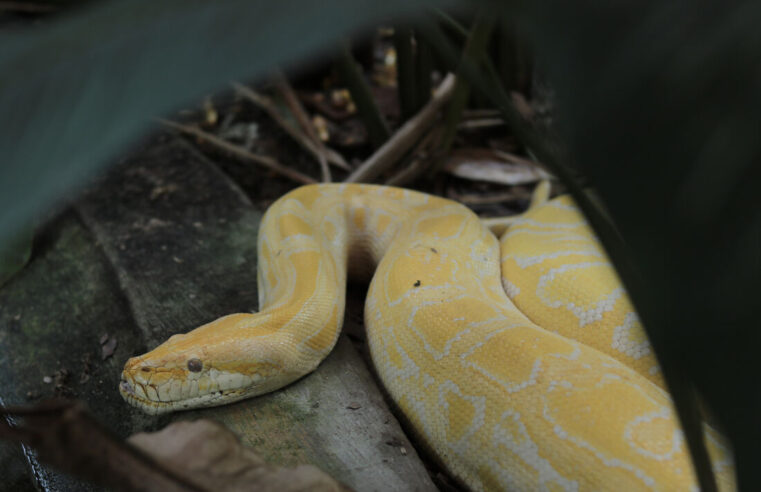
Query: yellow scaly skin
{"points": [[559, 393]]}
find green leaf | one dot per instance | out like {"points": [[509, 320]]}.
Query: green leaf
{"points": [[76, 91], [663, 117]]}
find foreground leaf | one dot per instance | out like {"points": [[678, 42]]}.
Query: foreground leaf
{"points": [[663, 118], [209, 454], [77, 90]]}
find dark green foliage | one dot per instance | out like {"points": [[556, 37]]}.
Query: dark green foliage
{"points": [[76, 90], [406, 74], [474, 49], [351, 73], [660, 106]]}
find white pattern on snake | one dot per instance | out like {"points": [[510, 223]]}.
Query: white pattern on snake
{"points": [[552, 388]]}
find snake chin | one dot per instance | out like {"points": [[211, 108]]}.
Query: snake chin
{"points": [[137, 396]]}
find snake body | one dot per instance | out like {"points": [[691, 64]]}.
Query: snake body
{"points": [[519, 362]]}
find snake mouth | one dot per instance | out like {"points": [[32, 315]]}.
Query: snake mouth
{"points": [[138, 396], [149, 406]]}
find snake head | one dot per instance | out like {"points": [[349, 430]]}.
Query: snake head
{"points": [[208, 366]]}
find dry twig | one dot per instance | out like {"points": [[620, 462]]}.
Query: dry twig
{"points": [[269, 107], [285, 89], [421, 159], [238, 151], [404, 138]]}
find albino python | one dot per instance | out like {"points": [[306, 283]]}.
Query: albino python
{"points": [[520, 363]]}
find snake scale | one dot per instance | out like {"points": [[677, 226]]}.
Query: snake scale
{"points": [[519, 362]]}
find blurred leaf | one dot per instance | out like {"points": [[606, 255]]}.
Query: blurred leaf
{"points": [[212, 456], [663, 117], [14, 254], [405, 71], [64, 434], [77, 90], [472, 53], [367, 108]]}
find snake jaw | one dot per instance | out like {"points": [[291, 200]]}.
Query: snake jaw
{"points": [[181, 382], [202, 368], [162, 393], [178, 394]]}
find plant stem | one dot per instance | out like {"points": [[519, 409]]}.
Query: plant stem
{"points": [[405, 72], [474, 50], [377, 129], [424, 68], [405, 137]]}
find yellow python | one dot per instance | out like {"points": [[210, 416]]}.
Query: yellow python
{"points": [[536, 378]]}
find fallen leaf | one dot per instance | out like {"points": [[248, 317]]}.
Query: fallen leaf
{"points": [[210, 455], [63, 434], [493, 166]]}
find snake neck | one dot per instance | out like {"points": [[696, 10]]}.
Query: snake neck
{"points": [[309, 241]]}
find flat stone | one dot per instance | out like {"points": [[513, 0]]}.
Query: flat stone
{"points": [[161, 244]]}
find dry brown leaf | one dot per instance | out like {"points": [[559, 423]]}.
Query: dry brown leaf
{"points": [[64, 435], [493, 166], [212, 456]]}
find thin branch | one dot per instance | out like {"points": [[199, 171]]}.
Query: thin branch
{"points": [[285, 89], [269, 107], [422, 157], [404, 138], [238, 151]]}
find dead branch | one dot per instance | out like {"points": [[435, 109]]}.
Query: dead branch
{"points": [[404, 138], [241, 152], [269, 107], [285, 89]]}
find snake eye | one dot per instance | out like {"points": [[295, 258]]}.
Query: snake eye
{"points": [[195, 365]]}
